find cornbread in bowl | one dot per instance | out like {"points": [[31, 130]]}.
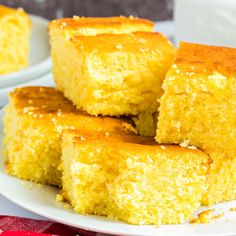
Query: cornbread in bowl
{"points": [[130, 178], [198, 108], [14, 39], [117, 74], [33, 123]]}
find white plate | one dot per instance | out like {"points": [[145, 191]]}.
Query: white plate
{"points": [[41, 200], [39, 60], [167, 28], [45, 80]]}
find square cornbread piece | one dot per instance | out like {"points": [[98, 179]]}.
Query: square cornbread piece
{"points": [[33, 123], [130, 179], [198, 108], [112, 74], [14, 39], [62, 30]]}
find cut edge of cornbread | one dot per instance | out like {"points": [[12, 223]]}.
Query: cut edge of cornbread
{"points": [[105, 175], [14, 40]]}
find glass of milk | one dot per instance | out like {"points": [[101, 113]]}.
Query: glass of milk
{"points": [[210, 22]]}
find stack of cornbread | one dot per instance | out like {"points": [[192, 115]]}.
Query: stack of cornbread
{"points": [[15, 27], [81, 136]]}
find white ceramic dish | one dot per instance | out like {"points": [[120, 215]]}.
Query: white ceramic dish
{"points": [[40, 62], [41, 200], [45, 80], [167, 28]]}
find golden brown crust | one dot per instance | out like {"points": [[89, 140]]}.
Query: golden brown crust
{"points": [[132, 142], [41, 100], [205, 59], [86, 135], [8, 10], [44, 102], [138, 42], [98, 22]]}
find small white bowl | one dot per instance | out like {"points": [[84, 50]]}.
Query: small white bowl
{"points": [[39, 58]]}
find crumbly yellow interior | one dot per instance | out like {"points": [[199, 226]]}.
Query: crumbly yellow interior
{"points": [[146, 123], [62, 30], [33, 123], [198, 108], [14, 39], [121, 75], [136, 183]]}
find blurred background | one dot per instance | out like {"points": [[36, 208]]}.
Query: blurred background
{"points": [[157, 10]]}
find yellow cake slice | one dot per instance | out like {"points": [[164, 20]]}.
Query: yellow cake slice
{"points": [[62, 30], [129, 178], [112, 74], [33, 123], [198, 108], [15, 27]]}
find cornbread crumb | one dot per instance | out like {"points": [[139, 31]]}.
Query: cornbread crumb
{"points": [[205, 217], [185, 143], [14, 39], [59, 198], [163, 147], [217, 216]]}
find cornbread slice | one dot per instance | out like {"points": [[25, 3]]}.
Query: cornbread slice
{"points": [[112, 74], [62, 30], [33, 123], [198, 108], [14, 39], [126, 178]]}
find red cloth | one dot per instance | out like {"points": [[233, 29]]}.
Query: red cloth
{"points": [[16, 226]]}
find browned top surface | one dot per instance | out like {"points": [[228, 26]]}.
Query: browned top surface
{"points": [[132, 142], [7, 10], [41, 100], [99, 22], [85, 135], [206, 59], [45, 103], [137, 41]]}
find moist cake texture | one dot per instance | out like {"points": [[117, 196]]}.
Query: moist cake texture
{"points": [[14, 39], [131, 179], [112, 74], [62, 30], [198, 108], [33, 123]]}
